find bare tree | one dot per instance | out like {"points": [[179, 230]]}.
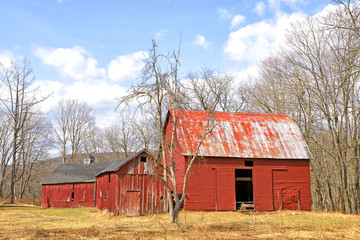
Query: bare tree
{"points": [[19, 100], [5, 148], [159, 92], [35, 145], [145, 132], [212, 91], [120, 136], [73, 127], [60, 128], [316, 79]]}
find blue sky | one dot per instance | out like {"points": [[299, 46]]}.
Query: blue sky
{"points": [[93, 50]]}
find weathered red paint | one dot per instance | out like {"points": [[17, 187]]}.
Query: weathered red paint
{"points": [[280, 171], [132, 190], [60, 195], [225, 185], [211, 184]]}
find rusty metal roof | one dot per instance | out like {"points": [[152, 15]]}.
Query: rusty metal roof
{"points": [[245, 135]]}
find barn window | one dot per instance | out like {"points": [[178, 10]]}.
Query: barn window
{"points": [[107, 193], [100, 193], [109, 178], [142, 159], [84, 194], [249, 163]]}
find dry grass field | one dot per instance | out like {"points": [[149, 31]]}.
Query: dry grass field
{"points": [[32, 222]]}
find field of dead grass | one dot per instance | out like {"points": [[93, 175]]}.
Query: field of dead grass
{"points": [[32, 222]]}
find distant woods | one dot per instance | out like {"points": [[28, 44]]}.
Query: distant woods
{"points": [[314, 78]]}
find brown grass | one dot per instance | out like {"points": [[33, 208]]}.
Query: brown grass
{"points": [[36, 202], [23, 221]]}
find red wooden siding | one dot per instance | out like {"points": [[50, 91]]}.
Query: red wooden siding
{"points": [[141, 195], [225, 186], [179, 159], [132, 190], [60, 195], [106, 191], [212, 184]]}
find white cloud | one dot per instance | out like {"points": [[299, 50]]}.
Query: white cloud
{"points": [[260, 8], [6, 57], [327, 10], [224, 14], [255, 41], [201, 41], [75, 63], [237, 20], [100, 96], [71, 62], [99, 87], [159, 35], [126, 67]]}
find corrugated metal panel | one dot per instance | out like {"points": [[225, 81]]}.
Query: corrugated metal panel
{"points": [[245, 135]]}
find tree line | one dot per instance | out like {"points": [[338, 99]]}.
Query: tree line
{"points": [[314, 78]]}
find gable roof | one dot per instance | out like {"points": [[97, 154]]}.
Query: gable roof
{"points": [[75, 173], [78, 172], [244, 135], [114, 166]]}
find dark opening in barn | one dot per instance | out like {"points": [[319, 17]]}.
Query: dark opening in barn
{"points": [[249, 163], [244, 189], [73, 193]]}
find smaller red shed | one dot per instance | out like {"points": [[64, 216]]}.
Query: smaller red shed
{"points": [[71, 185], [128, 187]]}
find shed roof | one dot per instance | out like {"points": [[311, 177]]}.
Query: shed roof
{"points": [[245, 135]]}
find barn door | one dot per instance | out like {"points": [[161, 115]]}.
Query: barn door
{"points": [[285, 196], [290, 199], [133, 203], [225, 189]]}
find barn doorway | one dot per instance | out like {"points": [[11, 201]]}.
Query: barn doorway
{"points": [[244, 189]]}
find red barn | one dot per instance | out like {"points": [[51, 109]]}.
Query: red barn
{"points": [[249, 161], [124, 187], [127, 187]]}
